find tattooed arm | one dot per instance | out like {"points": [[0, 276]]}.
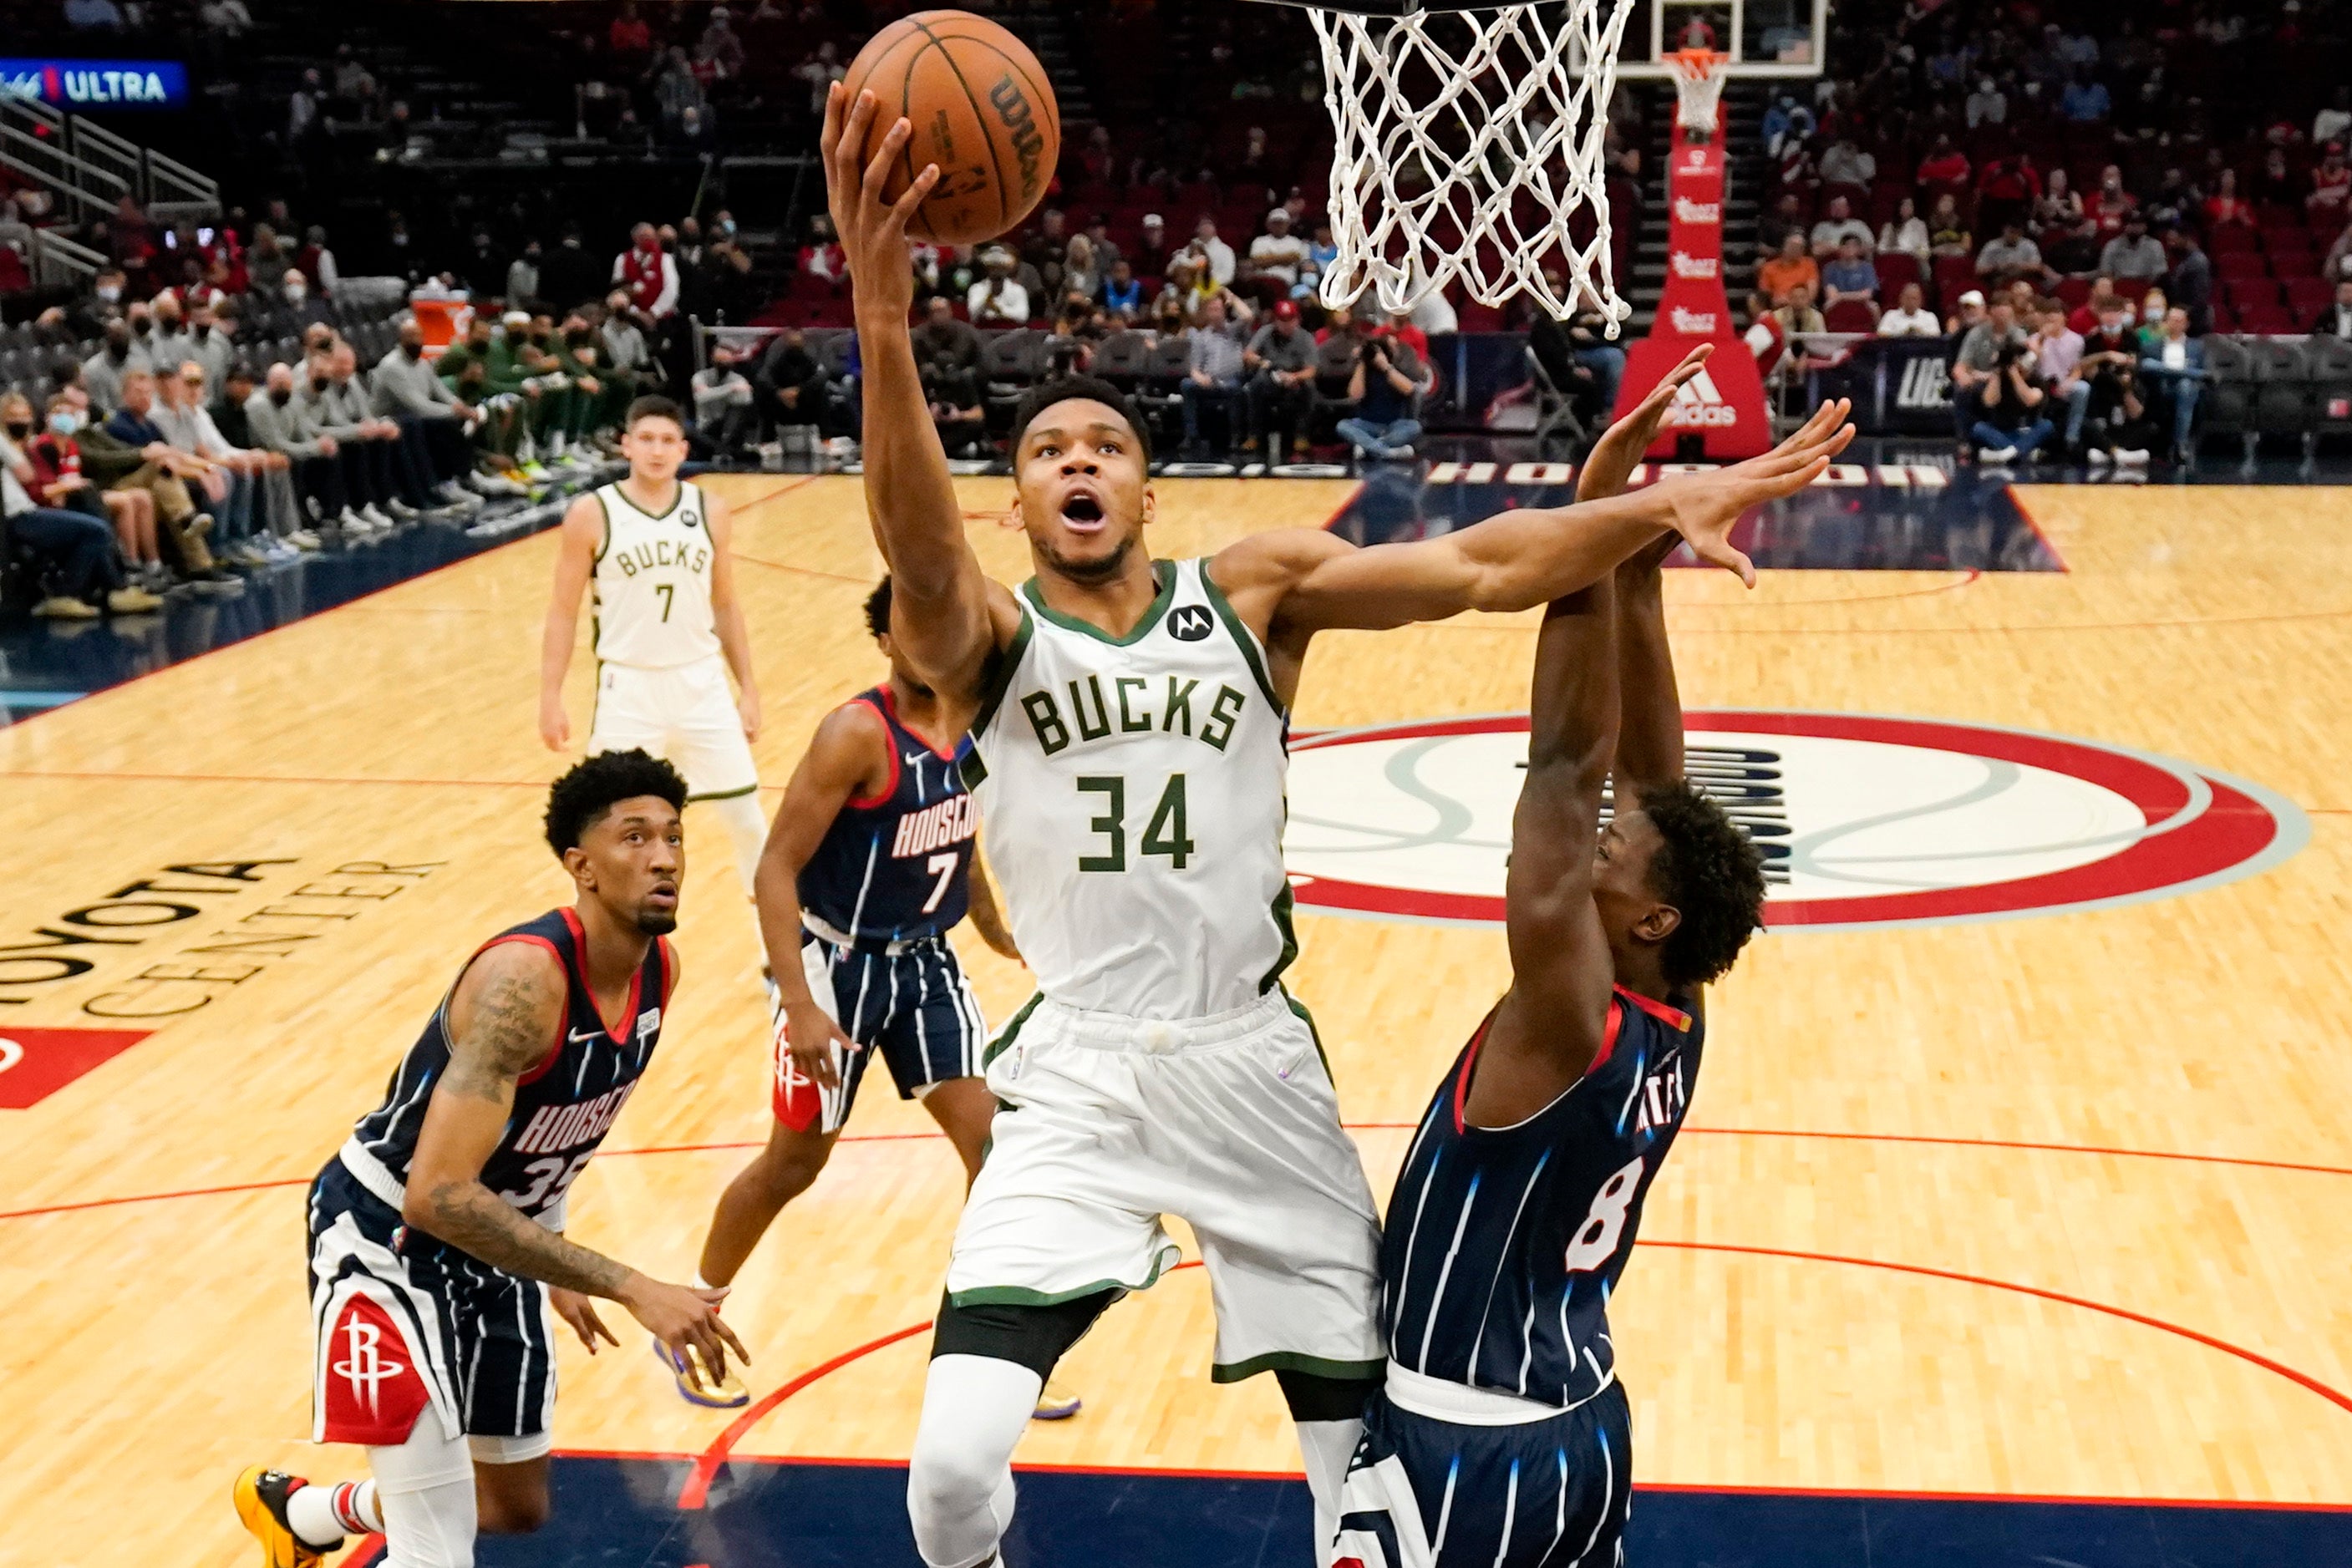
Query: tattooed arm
{"points": [[503, 1020]]}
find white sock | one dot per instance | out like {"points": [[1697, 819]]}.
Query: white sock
{"points": [[959, 1490], [747, 834], [1326, 1447], [322, 1515]]}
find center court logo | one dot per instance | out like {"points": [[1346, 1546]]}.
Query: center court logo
{"points": [[1863, 820]]}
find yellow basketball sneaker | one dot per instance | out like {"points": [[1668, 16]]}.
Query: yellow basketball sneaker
{"points": [[1057, 1404], [694, 1384], [260, 1495]]}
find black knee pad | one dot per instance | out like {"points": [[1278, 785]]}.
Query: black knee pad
{"points": [[1313, 1397], [1031, 1336]]}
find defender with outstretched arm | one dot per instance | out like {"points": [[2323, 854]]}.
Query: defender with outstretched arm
{"points": [[1501, 1438]]}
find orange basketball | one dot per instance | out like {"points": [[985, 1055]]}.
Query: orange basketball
{"points": [[981, 111]]}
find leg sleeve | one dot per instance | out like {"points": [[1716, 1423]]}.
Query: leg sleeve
{"points": [[425, 1488], [959, 1490]]}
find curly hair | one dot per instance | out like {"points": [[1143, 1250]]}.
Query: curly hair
{"points": [[1707, 868], [579, 799], [877, 609], [1062, 389]]}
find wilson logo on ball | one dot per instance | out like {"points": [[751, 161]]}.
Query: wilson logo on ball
{"points": [[1011, 107]]}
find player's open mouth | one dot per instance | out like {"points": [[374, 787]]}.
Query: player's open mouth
{"points": [[664, 896], [1082, 512]]}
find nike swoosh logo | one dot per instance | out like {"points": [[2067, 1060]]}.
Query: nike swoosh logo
{"points": [[580, 1034], [914, 758]]}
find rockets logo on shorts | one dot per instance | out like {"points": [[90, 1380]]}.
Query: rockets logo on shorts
{"points": [[373, 1391]]}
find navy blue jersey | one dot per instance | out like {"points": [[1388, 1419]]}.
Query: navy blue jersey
{"points": [[897, 864], [562, 1106], [1503, 1243]]}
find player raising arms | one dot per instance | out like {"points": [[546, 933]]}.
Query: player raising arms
{"points": [[436, 1244], [658, 551], [868, 866], [1128, 758], [1502, 1437]]}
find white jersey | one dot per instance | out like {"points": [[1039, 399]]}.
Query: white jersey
{"points": [[1131, 805], [653, 583]]}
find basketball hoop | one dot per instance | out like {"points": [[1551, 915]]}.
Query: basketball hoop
{"points": [[1469, 135], [1698, 87]]}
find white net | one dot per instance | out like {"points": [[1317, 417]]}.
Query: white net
{"points": [[1698, 88], [1471, 149]]}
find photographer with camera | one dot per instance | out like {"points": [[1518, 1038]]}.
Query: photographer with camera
{"points": [[2013, 421], [1385, 385], [2121, 428], [1982, 348]]}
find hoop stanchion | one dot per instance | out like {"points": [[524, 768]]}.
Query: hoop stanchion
{"points": [[1723, 405]]}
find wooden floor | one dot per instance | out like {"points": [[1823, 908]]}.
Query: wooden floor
{"points": [[2009, 1103]]}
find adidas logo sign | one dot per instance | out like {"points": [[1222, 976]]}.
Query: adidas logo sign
{"points": [[1689, 212], [1697, 405], [1693, 323], [1685, 266]]}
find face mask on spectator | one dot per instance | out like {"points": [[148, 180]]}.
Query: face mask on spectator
{"points": [[140, 324], [413, 350], [318, 381], [281, 396], [109, 292], [19, 429], [64, 422], [2153, 313], [295, 294]]}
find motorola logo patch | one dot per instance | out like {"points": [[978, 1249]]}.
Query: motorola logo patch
{"points": [[1190, 622]]}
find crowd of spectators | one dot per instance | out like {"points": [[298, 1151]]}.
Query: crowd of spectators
{"points": [[212, 411], [1967, 159]]}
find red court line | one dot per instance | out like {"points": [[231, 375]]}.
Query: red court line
{"points": [[1858, 1494], [1352, 1126], [2342, 1401], [802, 570], [696, 1488], [2016, 1144], [2018, 500]]}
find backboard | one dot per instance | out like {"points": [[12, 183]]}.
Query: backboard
{"points": [[1783, 38]]}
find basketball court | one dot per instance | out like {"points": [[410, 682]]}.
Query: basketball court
{"points": [[2010, 1220], [2009, 1226]]}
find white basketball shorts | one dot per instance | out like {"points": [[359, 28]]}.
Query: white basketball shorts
{"points": [[685, 715], [1230, 1123]]}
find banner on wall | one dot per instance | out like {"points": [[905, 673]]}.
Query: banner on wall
{"points": [[88, 86], [1900, 386]]}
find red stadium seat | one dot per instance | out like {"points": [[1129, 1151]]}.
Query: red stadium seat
{"points": [[2244, 293], [2307, 297], [1895, 268], [2239, 263], [2224, 319], [2230, 238], [1851, 315], [1955, 276], [1476, 317], [2266, 319], [2075, 292]]}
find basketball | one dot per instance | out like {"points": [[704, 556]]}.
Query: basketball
{"points": [[981, 111]]}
